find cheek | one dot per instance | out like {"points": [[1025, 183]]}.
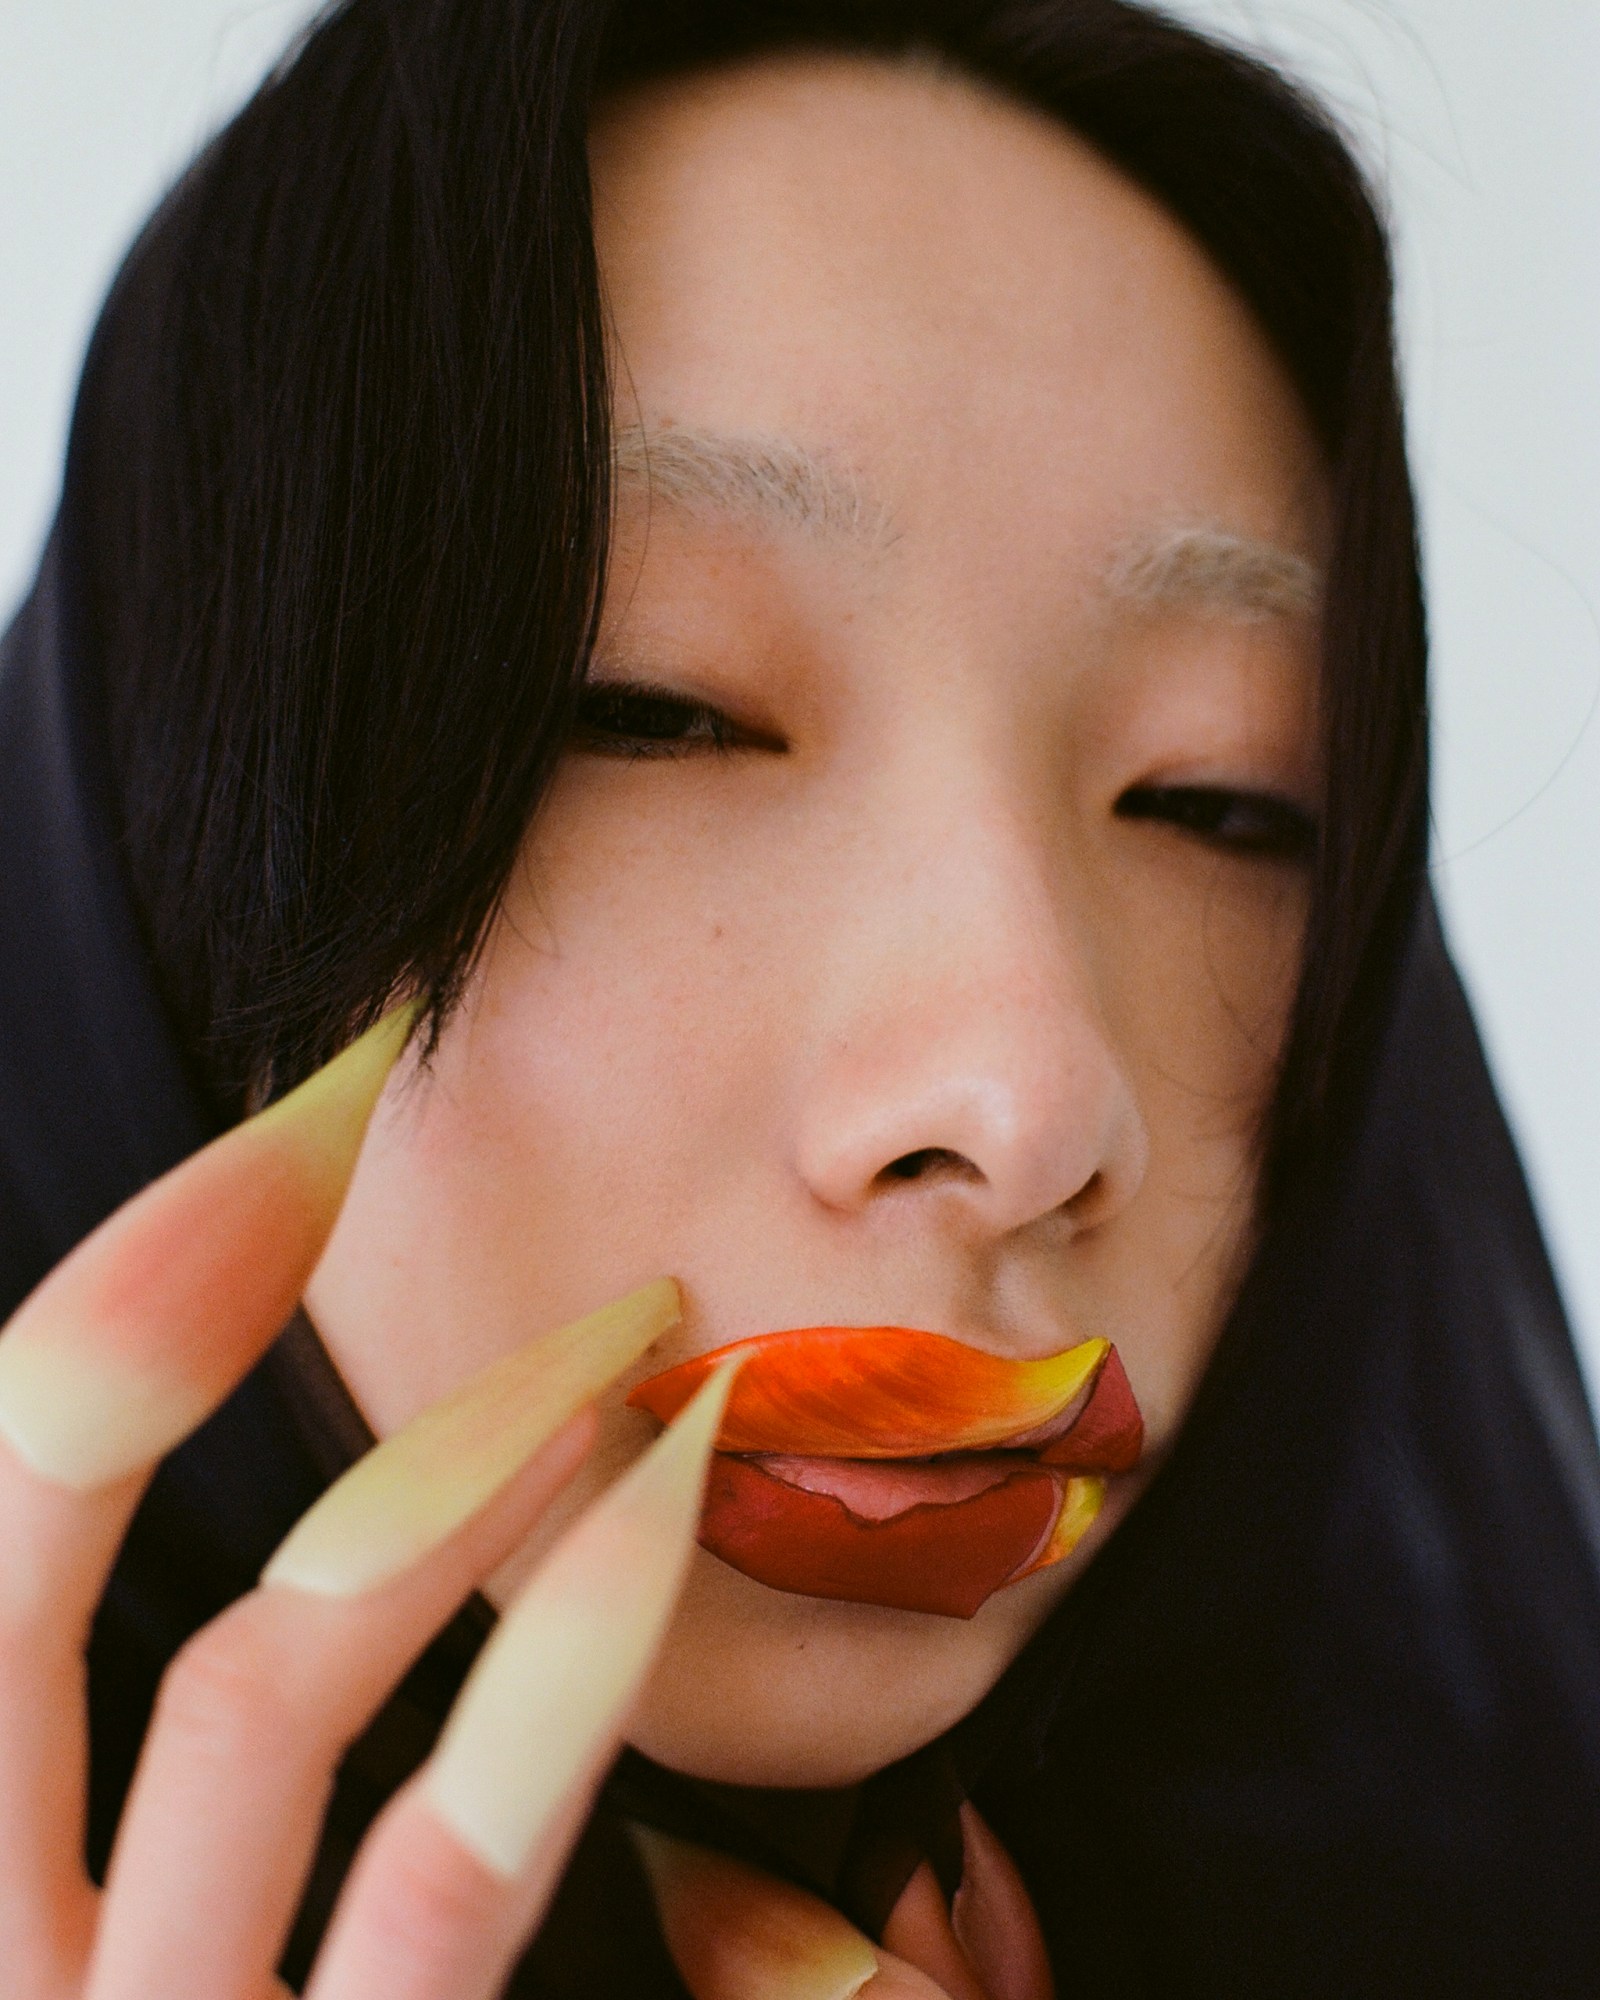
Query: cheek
{"points": [[1203, 961], [1199, 975], [619, 1052]]}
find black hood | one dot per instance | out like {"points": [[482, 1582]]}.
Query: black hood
{"points": [[1322, 1718]]}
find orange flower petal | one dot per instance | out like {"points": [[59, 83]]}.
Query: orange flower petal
{"points": [[876, 1392]]}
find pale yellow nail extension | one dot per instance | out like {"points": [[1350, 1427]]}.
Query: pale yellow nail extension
{"points": [[335, 1102], [85, 1402], [567, 1658], [418, 1486]]}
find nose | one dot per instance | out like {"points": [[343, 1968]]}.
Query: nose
{"points": [[963, 1057]]}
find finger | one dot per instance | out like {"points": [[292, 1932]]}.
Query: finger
{"points": [[253, 1718], [734, 1931], [896, 1980], [123, 1348], [256, 1712], [461, 1864], [47, 1903], [142, 1331]]}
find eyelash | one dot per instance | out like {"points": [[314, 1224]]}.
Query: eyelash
{"points": [[635, 720], [1255, 825]]}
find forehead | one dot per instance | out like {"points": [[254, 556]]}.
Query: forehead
{"points": [[949, 300]]}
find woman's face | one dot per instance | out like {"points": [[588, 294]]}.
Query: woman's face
{"points": [[918, 948]]}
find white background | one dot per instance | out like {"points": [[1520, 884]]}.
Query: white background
{"points": [[1477, 116]]}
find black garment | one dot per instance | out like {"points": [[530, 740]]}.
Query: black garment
{"points": [[1322, 1719]]}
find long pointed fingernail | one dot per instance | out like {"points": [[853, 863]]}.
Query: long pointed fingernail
{"points": [[547, 1695], [324, 1119], [735, 1932], [135, 1338], [416, 1488]]}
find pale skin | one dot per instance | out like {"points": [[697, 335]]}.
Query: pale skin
{"points": [[968, 537], [729, 992]]}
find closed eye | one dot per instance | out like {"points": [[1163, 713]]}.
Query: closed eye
{"points": [[637, 719], [1253, 824]]}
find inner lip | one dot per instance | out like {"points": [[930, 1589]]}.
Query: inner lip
{"points": [[877, 1489]]}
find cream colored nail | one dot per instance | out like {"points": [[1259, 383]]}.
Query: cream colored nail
{"points": [[329, 1112], [84, 1420], [556, 1679], [136, 1336], [416, 1488], [736, 1933]]}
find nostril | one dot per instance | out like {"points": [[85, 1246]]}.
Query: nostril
{"points": [[928, 1160], [1086, 1204]]}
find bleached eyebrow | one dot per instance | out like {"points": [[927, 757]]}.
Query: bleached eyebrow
{"points": [[768, 481], [779, 483], [1214, 568]]}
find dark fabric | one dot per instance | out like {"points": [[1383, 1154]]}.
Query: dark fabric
{"points": [[1324, 1717], [93, 1094]]}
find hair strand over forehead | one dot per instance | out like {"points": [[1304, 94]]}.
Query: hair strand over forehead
{"points": [[345, 436]]}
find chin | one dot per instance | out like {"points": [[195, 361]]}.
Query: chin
{"points": [[760, 1687]]}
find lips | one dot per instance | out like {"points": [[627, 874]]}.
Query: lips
{"points": [[885, 1465]]}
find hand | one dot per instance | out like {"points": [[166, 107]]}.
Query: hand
{"points": [[126, 1347]]}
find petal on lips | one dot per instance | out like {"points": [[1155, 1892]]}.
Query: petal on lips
{"points": [[1080, 1503], [885, 1465], [1107, 1434], [812, 1544], [877, 1392]]}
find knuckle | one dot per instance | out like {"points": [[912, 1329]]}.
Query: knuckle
{"points": [[225, 1690], [426, 1901]]}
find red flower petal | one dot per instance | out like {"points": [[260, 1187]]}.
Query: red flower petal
{"points": [[1109, 1432], [946, 1559]]}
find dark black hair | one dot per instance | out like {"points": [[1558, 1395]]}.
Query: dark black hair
{"points": [[348, 463]]}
